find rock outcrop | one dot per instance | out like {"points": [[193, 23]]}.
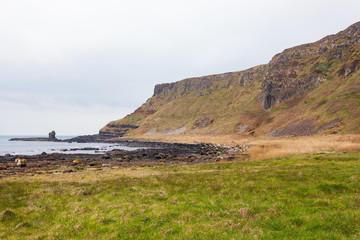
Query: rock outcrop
{"points": [[211, 82], [288, 73], [52, 135], [116, 130]]}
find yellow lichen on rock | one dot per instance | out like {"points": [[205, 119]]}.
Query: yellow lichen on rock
{"points": [[21, 162], [76, 162]]}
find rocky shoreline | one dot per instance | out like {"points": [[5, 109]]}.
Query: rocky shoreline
{"points": [[36, 139], [153, 153]]}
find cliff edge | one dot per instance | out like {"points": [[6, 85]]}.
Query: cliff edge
{"points": [[304, 90]]}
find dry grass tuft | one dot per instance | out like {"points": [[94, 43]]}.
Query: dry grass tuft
{"points": [[269, 147]]}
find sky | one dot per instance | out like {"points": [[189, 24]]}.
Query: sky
{"points": [[74, 65]]}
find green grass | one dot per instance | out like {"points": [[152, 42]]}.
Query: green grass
{"points": [[300, 197], [323, 67]]}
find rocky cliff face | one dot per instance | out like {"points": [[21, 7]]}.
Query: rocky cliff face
{"points": [[232, 99], [212, 82], [116, 130], [288, 73]]}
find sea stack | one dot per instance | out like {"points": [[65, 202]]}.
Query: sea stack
{"points": [[52, 135]]}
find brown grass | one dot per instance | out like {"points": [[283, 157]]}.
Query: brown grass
{"points": [[268, 147], [90, 175]]}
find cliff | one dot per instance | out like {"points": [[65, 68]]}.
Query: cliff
{"points": [[298, 92]]}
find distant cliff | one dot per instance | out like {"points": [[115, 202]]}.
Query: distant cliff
{"points": [[211, 82], [304, 87]]}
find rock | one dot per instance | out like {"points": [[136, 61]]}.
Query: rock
{"points": [[52, 135], [202, 122], [21, 162], [116, 130], [87, 192], [68, 171], [76, 162], [43, 153], [160, 156], [106, 157], [105, 165], [93, 164]]}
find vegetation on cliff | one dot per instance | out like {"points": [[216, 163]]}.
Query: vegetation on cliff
{"points": [[304, 90]]}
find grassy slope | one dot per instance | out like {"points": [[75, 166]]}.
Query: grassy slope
{"points": [[307, 196], [337, 97], [224, 105]]}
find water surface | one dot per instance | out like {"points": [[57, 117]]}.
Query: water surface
{"points": [[33, 148]]}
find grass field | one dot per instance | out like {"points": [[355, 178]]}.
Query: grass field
{"points": [[309, 196]]}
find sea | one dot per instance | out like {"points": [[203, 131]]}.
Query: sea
{"points": [[34, 148]]}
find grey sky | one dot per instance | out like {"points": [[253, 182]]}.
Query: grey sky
{"points": [[74, 65]]}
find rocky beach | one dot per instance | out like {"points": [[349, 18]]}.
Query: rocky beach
{"points": [[148, 153]]}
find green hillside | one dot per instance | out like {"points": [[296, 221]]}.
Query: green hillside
{"points": [[309, 89]]}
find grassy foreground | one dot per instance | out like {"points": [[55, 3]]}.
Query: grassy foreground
{"points": [[313, 196]]}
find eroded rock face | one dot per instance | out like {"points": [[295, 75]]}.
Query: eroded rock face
{"points": [[116, 130], [274, 92], [212, 82], [202, 122], [289, 73], [302, 128], [348, 69]]}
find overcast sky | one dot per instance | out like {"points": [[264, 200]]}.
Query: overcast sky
{"points": [[74, 65]]}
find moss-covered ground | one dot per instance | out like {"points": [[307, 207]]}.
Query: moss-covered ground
{"points": [[311, 196]]}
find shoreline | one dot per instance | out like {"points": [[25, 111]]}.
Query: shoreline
{"points": [[151, 153]]}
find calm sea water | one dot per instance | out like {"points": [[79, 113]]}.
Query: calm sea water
{"points": [[33, 148]]}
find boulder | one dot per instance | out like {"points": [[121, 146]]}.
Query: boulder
{"points": [[21, 162], [76, 162]]}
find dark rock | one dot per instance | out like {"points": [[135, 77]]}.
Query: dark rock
{"points": [[209, 82], [160, 156], [203, 122], [116, 130], [52, 135], [346, 70], [87, 192], [303, 128]]}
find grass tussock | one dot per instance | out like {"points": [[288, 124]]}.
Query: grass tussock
{"points": [[309, 196]]}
